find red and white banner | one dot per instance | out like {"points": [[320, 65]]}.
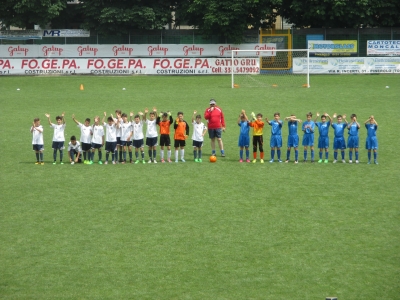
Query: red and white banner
{"points": [[128, 66], [132, 50]]}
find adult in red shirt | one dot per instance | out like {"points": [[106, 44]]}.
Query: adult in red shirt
{"points": [[216, 124]]}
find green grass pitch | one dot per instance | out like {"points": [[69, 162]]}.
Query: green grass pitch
{"points": [[198, 231]]}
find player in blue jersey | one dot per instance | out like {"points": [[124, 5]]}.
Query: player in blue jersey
{"points": [[308, 138], [244, 137], [323, 139], [276, 136], [293, 138], [372, 142], [352, 140], [339, 141]]}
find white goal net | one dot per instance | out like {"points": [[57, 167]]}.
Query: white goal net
{"points": [[270, 68]]}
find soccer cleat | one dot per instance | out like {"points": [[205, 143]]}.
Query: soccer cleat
{"points": [[54, 163], [343, 161], [261, 161], [176, 160], [254, 161], [334, 161], [149, 162], [131, 161], [154, 161], [90, 162], [369, 162], [279, 160], [247, 160], [326, 161], [357, 161], [183, 160], [375, 162], [61, 163], [312, 161], [106, 162], [37, 163], [240, 160], [286, 161], [305, 161], [42, 163], [222, 154], [100, 162], [113, 162], [350, 161], [196, 160], [169, 160], [162, 160], [137, 161], [271, 161], [200, 160], [296, 161], [320, 161], [122, 162], [143, 161]]}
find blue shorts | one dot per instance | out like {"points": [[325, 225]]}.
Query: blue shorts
{"points": [[371, 143], [339, 143], [37, 147], [58, 145], [308, 139], [215, 133], [323, 142], [111, 146], [86, 147], [197, 144], [151, 141], [275, 141], [293, 141], [126, 143], [352, 141], [137, 144], [244, 141], [96, 146]]}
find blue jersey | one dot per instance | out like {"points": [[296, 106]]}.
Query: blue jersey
{"points": [[244, 128], [371, 129], [339, 129], [323, 128], [308, 127], [353, 129], [276, 127], [292, 125]]}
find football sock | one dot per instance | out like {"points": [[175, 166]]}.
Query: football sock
{"points": [[356, 153], [350, 155], [241, 154], [143, 155], [124, 155], [335, 155], [254, 155], [261, 155], [115, 155], [41, 156], [182, 153], [55, 154], [279, 154], [108, 156], [130, 155], [136, 154], [176, 155], [101, 154], [369, 155], [287, 154], [222, 151], [61, 154], [120, 154], [296, 155], [247, 154], [195, 154], [154, 154], [84, 155], [200, 154], [150, 152], [112, 156], [320, 154], [272, 154], [169, 154], [37, 156], [326, 154], [305, 154], [375, 155], [213, 152], [312, 154], [162, 154], [342, 152]]}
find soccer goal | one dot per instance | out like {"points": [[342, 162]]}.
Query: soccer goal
{"points": [[270, 68]]}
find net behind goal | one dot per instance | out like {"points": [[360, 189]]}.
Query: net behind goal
{"points": [[270, 68]]}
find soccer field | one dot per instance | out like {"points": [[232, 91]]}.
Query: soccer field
{"points": [[226, 230]]}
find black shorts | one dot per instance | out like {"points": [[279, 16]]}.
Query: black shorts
{"points": [[197, 144], [179, 143], [151, 141], [97, 146], [126, 143], [86, 147], [118, 141], [138, 144], [111, 146], [258, 139], [165, 140]]}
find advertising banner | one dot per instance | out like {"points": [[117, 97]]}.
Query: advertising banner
{"points": [[332, 48], [383, 47], [21, 34], [348, 65], [132, 50], [66, 33], [128, 66]]}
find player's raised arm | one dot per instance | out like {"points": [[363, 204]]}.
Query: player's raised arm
{"points": [[75, 120], [48, 118], [194, 115], [344, 118], [146, 110], [316, 117], [62, 116]]}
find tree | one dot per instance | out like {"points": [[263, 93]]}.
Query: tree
{"points": [[341, 13], [228, 18], [26, 13]]}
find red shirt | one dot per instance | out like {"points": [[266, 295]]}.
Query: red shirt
{"points": [[215, 118]]}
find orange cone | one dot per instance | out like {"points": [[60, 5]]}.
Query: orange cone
{"points": [[81, 87]]}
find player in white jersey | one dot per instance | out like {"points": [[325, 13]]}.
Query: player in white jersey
{"points": [[126, 134], [137, 137], [37, 140], [86, 138], [151, 134], [111, 138], [97, 139], [74, 151], [199, 130], [58, 136], [118, 114]]}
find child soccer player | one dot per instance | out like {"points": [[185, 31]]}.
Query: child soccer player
{"points": [[199, 130], [338, 141], [58, 137], [293, 138], [37, 140], [165, 140], [308, 138], [137, 138], [353, 140], [323, 139], [97, 139], [244, 138], [86, 138], [111, 138], [126, 134], [151, 134], [276, 136], [258, 125], [181, 133], [371, 142], [74, 151], [118, 114]]}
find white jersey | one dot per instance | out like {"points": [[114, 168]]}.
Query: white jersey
{"points": [[86, 133], [151, 130], [98, 133], [111, 132], [118, 129], [37, 135], [58, 135], [137, 130], [76, 147], [198, 131], [126, 129]]}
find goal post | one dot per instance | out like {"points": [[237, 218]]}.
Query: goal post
{"points": [[270, 68]]}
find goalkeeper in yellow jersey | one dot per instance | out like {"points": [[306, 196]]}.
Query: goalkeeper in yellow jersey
{"points": [[258, 124]]}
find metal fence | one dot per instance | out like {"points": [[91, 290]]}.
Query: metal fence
{"points": [[193, 36]]}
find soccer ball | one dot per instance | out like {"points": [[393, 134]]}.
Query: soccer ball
{"points": [[213, 158]]}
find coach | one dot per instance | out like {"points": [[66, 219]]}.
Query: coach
{"points": [[216, 124]]}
